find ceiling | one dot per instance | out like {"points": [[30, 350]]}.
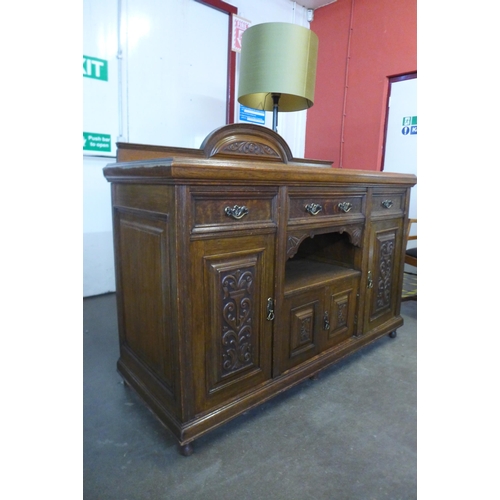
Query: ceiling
{"points": [[314, 4]]}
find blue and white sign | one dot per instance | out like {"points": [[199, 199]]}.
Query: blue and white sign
{"points": [[251, 115], [409, 125]]}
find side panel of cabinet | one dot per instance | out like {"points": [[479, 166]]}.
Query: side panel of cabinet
{"points": [[147, 318], [383, 291], [232, 280]]}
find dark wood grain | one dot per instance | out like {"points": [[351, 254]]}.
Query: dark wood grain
{"points": [[219, 310]]}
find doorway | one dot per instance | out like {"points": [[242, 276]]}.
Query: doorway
{"points": [[400, 143]]}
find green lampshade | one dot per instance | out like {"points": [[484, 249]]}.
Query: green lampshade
{"points": [[278, 58]]}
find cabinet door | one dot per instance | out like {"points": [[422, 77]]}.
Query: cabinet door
{"points": [[232, 282], [300, 333], [340, 312], [316, 320], [384, 272]]}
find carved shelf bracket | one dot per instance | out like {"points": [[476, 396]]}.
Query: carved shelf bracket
{"points": [[354, 231]]}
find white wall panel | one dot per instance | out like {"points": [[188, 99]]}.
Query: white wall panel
{"points": [[98, 259], [167, 64], [177, 72], [101, 119], [100, 97]]}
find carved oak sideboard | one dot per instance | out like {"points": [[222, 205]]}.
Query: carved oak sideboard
{"points": [[242, 271]]}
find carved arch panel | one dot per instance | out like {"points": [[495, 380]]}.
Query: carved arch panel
{"points": [[247, 140]]}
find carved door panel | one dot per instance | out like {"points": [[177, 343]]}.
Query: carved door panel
{"points": [[384, 284], [233, 280], [301, 329], [340, 312]]}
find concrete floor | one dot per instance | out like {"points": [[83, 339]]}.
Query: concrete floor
{"points": [[350, 435]]}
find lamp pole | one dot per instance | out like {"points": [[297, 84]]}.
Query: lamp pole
{"points": [[276, 98]]}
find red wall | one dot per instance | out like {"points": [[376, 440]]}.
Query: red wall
{"points": [[383, 43]]}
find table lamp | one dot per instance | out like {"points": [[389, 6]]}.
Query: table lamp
{"points": [[278, 68]]}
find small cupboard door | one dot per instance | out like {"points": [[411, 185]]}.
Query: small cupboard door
{"points": [[318, 319], [232, 284], [384, 272], [301, 329], [340, 312]]}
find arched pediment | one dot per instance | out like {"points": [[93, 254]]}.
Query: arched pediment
{"points": [[246, 140]]}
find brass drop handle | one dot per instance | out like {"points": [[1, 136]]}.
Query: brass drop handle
{"points": [[270, 309], [370, 280], [326, 321], [236, 212], [345, 206], [387, 203], [313, 208]]}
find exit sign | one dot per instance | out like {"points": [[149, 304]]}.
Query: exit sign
{"points": [[95, 68], [96, 142]]}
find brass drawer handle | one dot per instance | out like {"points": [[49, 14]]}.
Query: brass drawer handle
{"points": [[314, 208], [236, 212], [387, 203], [345, 206], [370, 280]]}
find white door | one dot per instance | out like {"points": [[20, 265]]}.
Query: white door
{"points": [[401, 136]]}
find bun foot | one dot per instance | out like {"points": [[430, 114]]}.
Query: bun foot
{"points": [[186, 449], [393, 334]]}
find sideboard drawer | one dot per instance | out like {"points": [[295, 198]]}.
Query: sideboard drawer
{"points": [[317, 205], [388, 203], [232, 206]]}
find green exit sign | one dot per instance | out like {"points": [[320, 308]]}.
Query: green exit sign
{"points": [[409, 120], [96, 142], [95, 68]]}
